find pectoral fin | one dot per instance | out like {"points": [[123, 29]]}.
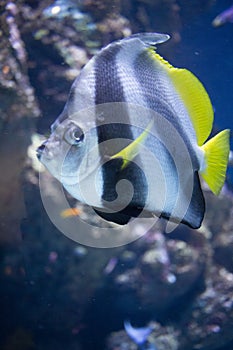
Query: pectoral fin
{"points": [[131, 151]]}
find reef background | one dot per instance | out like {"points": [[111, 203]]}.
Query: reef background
{"points": [[55, 294]]}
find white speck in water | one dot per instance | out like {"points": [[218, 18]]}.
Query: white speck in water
{"points": [[55, 10]]}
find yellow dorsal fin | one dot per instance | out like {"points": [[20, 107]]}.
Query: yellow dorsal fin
{"points": [[194, 96], [129, 153], [216, 152]]}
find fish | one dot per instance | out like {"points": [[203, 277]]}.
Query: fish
{"points": [[69, 212], [132, 140], [139, 335], [230, 163], [61, 9], [224, 17], [110, 265]]}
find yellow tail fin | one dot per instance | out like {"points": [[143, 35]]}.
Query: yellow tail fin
{"points": [[216, 156]]}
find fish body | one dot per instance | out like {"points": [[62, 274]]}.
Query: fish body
{"points": [[131, 140], [231, 158], [224, 17]]}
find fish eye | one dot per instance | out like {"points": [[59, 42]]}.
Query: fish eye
{"points": [[74, 135]]}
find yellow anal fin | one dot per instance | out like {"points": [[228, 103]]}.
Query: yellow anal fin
{"points": [[193, 95], [130, 152], [216, 157]]}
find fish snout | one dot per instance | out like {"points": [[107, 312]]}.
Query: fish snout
{"points": [[49, 149]]}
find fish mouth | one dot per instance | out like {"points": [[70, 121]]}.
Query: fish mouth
{"points": [[40, 150], [47, 150]]}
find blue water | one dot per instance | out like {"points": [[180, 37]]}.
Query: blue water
{"points": [[208, 53], [34, 298]]}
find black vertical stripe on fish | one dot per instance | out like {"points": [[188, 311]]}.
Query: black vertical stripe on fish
{"points": [[147, 76], [114, 174], [155, 96], [196, 209], [119, 217], [105, 75], [109, 89]]}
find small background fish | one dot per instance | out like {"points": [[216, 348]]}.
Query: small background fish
{"points": [[224, 17]]}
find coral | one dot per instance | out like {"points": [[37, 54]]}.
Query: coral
{"points": [[160, 273], [223, 250], [18, 110], [101, 9], [20, 340], [209, 322], [201, 261], [162, 338], [16, 91], [52, 286]]}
